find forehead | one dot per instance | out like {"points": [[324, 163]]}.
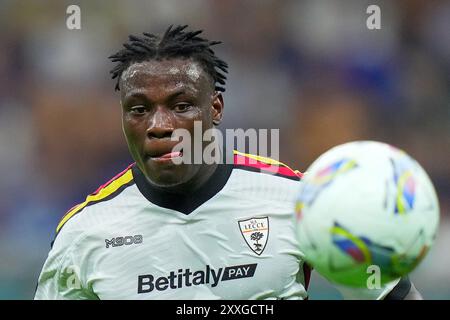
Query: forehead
{"points": [[168, 73]]}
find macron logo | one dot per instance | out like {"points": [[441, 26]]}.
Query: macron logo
{"points": [[186, 277]]}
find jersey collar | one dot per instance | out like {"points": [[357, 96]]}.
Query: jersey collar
{"points": [[185, 203]]}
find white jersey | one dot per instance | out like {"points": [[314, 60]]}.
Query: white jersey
{"points": [[233, 239]]}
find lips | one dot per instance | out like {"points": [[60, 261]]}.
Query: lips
{"points": [[161, 152], [169, 155]]}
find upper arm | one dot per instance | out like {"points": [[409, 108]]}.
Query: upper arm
{"points": [[63, 274], [59, 278]]}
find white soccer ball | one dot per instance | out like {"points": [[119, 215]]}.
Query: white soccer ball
{"points": [[366, 208]]}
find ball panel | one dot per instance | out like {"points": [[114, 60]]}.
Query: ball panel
{"points": [[365, 204]]}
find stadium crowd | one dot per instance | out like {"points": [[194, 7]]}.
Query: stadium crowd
{"points": [[310, 68]]}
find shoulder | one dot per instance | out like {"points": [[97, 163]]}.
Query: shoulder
{"points": [[264, 165], [264, 178], [83, 216]]}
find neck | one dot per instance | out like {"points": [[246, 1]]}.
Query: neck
{"points": [[191, 186], [205, 185]]}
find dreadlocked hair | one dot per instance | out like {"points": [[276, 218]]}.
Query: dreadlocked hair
{"points": [[176, 42]]}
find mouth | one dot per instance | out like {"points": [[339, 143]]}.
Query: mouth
{"points": [[166, 157]]}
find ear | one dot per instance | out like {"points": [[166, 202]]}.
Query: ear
{"points": [[217, 108]]}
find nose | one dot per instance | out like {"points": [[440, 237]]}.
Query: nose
{"points": [[161, 124]]}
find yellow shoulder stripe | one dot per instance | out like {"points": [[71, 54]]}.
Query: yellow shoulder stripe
{"points": [[264, 160], [103, 193]]}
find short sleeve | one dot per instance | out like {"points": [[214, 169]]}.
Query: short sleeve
{"points": [[61, 277]]}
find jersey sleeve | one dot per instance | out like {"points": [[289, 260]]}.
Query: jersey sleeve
{"points": [[63, 274]]}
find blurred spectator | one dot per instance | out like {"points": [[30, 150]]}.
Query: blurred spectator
{"points": [[310, 68]]}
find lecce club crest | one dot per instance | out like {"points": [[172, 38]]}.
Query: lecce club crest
{"points": [[255, 232]]}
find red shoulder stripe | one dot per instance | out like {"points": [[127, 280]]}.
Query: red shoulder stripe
{"points": [[248, 162], [112, 179]]}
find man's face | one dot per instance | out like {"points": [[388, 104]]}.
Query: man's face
{"points": [[158, 97]]}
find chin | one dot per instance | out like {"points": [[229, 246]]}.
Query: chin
{"points": [[167, 181], [169, 176]]}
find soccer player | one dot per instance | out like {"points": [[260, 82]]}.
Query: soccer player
{"points": [[160, 230]]}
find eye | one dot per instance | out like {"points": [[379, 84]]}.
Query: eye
{"points": [[182, 107], [138, 110]]}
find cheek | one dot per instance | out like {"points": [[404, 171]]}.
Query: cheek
{"points": [[188, 119], [205, 116], [201, 118], [133, 131], [126, 127], [196, 114]]}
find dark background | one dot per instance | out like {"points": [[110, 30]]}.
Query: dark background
{"points": [[310, 68]]}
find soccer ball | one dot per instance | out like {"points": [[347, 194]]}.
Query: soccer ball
{"points": [[365, 208]]}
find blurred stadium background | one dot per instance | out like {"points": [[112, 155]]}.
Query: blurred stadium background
{"points": [[310, 68]]}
